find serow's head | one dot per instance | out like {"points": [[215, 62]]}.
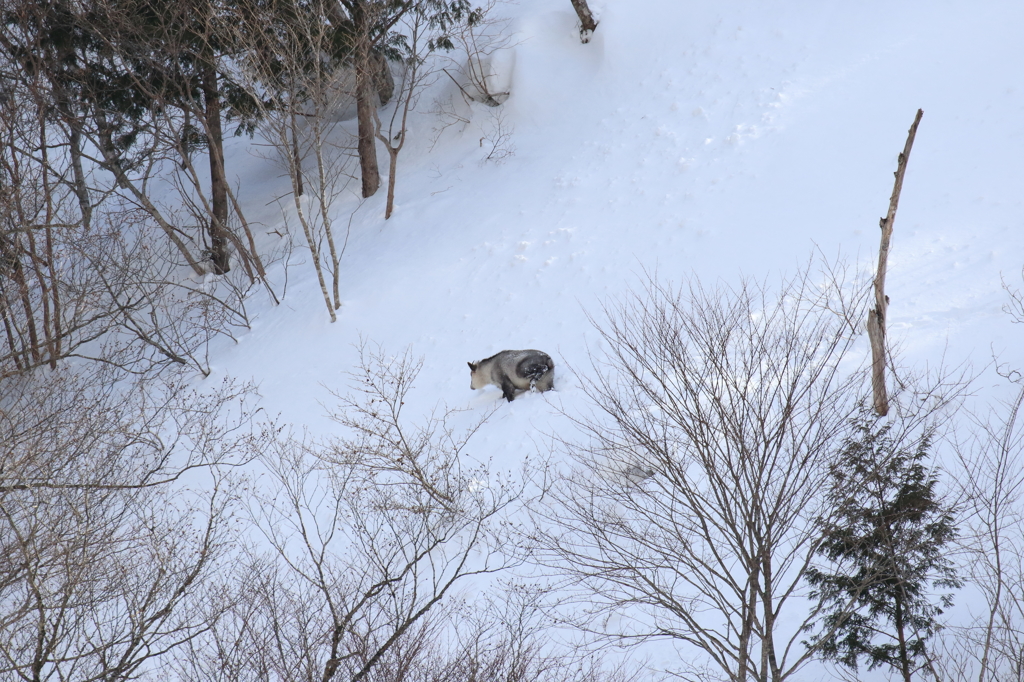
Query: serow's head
{"points": [[476, 379]]}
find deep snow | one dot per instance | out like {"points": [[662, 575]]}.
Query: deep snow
{"points": [[713, 139], [716, 139]]}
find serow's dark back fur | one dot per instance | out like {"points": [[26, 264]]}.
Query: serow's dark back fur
{"points": [[515, 371]]}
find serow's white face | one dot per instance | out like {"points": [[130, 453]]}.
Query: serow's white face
{"points": [[476, 380]]}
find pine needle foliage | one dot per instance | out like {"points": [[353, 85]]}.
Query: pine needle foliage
{"points": [[886, 544]]}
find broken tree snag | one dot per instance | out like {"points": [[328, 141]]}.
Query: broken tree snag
{"points": [[587, 23], [876, 316]]}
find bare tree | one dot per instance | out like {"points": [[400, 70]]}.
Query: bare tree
{"points": [[155, 317], [689, 514], [406, 33], [83, 274], [290, 72], [106, 558], [369, 40], [372, 534], [32, 200], [415, 75], [106, 293], [508, 638], [429, 27], [991, 479]]}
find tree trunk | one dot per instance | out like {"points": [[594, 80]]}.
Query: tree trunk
{"points": [[391, 183], [748, 616], [768, 619], [296, 157], [50, 326], [383, 81], [366, 145], [219, 255], [902, 639], [876, 336], [877, 315], [587, 23], [80, 187], [365, 102]]}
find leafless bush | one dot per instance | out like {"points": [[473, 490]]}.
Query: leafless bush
{"points": [[507, 638], [477, 42], [371, 534], [497, 140], [106, 556], [480, 44], [449, 114]]}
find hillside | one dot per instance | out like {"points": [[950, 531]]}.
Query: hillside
{"points": [[716, 142], [710, 140], [720, 143]]}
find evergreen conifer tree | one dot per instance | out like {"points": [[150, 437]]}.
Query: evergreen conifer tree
{"points": [[886, 544]]}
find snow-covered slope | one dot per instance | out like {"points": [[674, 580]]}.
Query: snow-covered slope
{"points": [[706, 138], [715, 139]]}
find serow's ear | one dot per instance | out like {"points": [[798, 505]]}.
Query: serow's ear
{"points": [[472, 367]]}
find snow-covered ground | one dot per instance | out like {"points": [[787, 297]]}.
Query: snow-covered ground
{"points": [[715, 139]]}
